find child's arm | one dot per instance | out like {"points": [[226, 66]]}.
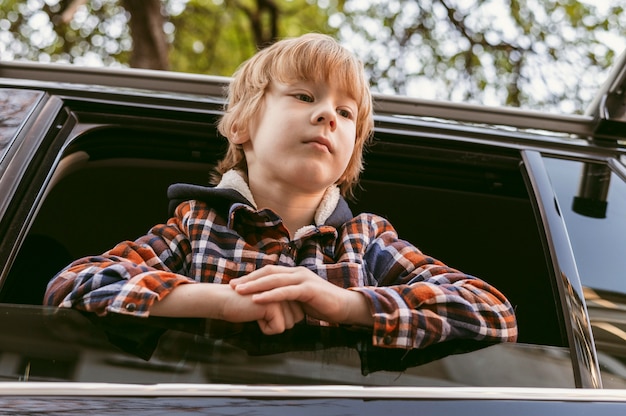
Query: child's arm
{"points": [[98, 284], [126, 285], [216, 301], [319, 298], [417, 300], [420, 301], [128, 278], [149, 277]]}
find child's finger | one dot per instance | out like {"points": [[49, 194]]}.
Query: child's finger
{"points": [[267, 282], [279, 294], [273, 322], [292, 314], [257, 274]]}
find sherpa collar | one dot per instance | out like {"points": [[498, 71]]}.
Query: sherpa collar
{"points": [[235, 180], [233, 188]]}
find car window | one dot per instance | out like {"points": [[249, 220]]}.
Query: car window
{"points": [[45, 344], [459, 197], [592, 200], [593, 203], [15, 106], [467, 196]]}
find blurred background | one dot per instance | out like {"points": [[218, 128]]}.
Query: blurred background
{"points": [[549, 55]]}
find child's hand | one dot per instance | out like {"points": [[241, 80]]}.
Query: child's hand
{"points": [[272, 317], [319, 298], [209, 300]]}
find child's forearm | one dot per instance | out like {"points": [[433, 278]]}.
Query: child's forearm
{"points": [[359, 311], [215, 301], [199, 300]]}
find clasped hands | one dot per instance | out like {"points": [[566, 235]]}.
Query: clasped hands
{"points": [[283, 295]]}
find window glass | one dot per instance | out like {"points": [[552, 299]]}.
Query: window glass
{"points": [[15, 106], [593, 203], [43, 344]]}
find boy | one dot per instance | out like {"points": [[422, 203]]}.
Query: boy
{"points": [[276, 232]]}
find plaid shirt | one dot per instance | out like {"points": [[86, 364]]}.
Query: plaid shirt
{"points": [[215, 235]]}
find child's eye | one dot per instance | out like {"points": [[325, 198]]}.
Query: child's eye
{"points": [[345, 113], [304, 97]]}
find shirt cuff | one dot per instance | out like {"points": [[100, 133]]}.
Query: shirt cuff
{"points": [[138, 294]]}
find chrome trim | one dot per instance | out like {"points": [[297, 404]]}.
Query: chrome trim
{"points": [[133, 78], [62, 389], [582, 126], [617, 167]]}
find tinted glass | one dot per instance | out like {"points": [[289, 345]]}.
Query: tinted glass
{"points": [[45, 344], [15, 106], [593, 203]]}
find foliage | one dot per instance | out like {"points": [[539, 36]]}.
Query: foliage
{"points": [[44, 30], [534, 53], [206, 36], [214, 36], [542, 54]]}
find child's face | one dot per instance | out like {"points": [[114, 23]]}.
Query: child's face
{"points": [[303, 136]]}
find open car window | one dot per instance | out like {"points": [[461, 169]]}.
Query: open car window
{"points": [[465, 203]]}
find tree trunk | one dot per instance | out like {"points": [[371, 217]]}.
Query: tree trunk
{"points": [[150, 47], [263, 21]]}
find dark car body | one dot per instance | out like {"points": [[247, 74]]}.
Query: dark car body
{"points": [[534, 203]]}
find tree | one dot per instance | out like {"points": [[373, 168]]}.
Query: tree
{"points": [[204, 36], [150, 46], [216, 36], [84, 32], [542, 54], [515, 52]]}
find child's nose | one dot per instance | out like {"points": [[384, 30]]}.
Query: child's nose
{"points": [[326, 115], [330, 121]]}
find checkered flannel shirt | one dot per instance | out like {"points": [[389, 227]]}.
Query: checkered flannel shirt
{"points": [[215, 236]]}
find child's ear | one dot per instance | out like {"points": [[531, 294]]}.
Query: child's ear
{"points": [[238, 135]]}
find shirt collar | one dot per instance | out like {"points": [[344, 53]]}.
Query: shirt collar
{"points": [[233, 188], [235, 180]]}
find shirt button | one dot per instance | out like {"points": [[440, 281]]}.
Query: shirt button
{"points": [[131, 307], [387, 340]]}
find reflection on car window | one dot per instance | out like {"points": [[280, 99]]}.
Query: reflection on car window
{"points": [[15, 105], [593, 203], [44, 344]]}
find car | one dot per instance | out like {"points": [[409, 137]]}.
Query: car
{"points": [[532, 202]]}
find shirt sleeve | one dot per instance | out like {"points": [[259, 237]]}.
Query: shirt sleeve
{"points": [[129, 278], [419, 301]]}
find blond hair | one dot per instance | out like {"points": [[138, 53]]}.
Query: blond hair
{"points": [[313, 57]]}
